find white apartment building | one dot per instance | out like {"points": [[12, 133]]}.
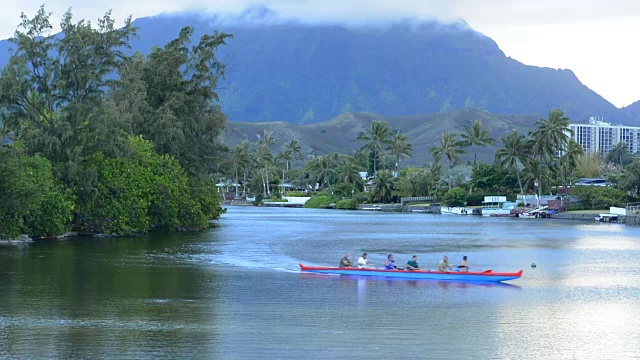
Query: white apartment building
{"points": [[601, 136]]}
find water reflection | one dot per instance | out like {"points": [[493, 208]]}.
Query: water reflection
{"points": [[423, 283], [235, 292]]}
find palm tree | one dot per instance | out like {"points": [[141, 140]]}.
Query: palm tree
{"points": [[349, 173], [240, 159], [293, 150], [378, 135], [474, 135], [449, 147], [551, 136], [264, 157], [265, 142], [399, 148], [539, 146], [323, 169], [513, 153], [571, 156], [383, 188]]}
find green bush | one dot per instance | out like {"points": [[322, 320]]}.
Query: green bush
{"points": [[598, 197], [455, 197], [144, 191], [476, 199], [277, 200], [321, 201], [347, 204], [32, 201], [297, 194]]}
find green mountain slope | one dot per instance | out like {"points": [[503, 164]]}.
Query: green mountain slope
{"points": [[339, 134]]}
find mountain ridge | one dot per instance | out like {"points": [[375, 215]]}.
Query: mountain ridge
{"points": [[339, 134], [305, 73]]}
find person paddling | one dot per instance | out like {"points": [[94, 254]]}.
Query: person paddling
{"points": [[390, 264], [345, 262], [363, 262], [443, 265], [413, 263], [464, 267]]}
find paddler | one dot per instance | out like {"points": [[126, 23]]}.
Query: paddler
{"points": [[443, 265], [345, 262], [363, 262], [464, 267], [413, 263]]}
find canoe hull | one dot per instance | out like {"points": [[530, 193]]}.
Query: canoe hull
{"points": [[488, 276]]}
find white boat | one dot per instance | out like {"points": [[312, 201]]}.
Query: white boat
{"points": [[456, 210], [528, 215], [533, 213], [496, 205]]}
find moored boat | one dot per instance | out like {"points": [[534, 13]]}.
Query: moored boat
{"points": [[485, 276]]}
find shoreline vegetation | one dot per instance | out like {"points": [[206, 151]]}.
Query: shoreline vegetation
{"points": [[103, 142], [98, 141]]}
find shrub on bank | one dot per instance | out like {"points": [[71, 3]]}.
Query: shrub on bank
{"points": [[32, 200], [597, 197], [455, 197], [297, 194], [321, 201], [144, 191], [347, 204]]}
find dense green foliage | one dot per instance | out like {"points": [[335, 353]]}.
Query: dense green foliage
{"points": [[347, 204], [32, 201], [598, 197], [80, 130], [143, 191], [455, 197], [321, 201]]}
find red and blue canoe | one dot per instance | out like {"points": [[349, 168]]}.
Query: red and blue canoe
{"points": [[485, 276]]}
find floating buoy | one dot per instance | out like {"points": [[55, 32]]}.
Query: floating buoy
{"points": [[533, 265]]}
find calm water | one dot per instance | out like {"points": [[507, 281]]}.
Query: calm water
{"points": [[234, 292]]}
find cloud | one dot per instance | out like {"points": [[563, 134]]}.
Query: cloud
{"points": [[486, 12], [591, 37]]}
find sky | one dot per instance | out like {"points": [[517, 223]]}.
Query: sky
{"points": [[594, 38]]}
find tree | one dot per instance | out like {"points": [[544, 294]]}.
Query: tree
{"points": [[513, 152], [456, 176], [629, 180], [384, 185], [32, 200], [294, 149], [550, 137], [377, 136], [571, 156], [492, 178], [349, 174], [290, 151], [588, 165], [264, 144], [400, 148], [474, 135], [323, 170], [186, 119], [455, 197], [620, 155], [53, 86], [240, 160], [449, 147]]}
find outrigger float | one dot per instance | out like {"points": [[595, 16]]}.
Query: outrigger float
{"points": [[485, 276]]}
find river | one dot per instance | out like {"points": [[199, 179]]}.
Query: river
{"points": [[235, 292]]}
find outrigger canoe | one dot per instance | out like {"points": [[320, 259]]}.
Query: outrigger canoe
{"points": [[485, 276]]}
